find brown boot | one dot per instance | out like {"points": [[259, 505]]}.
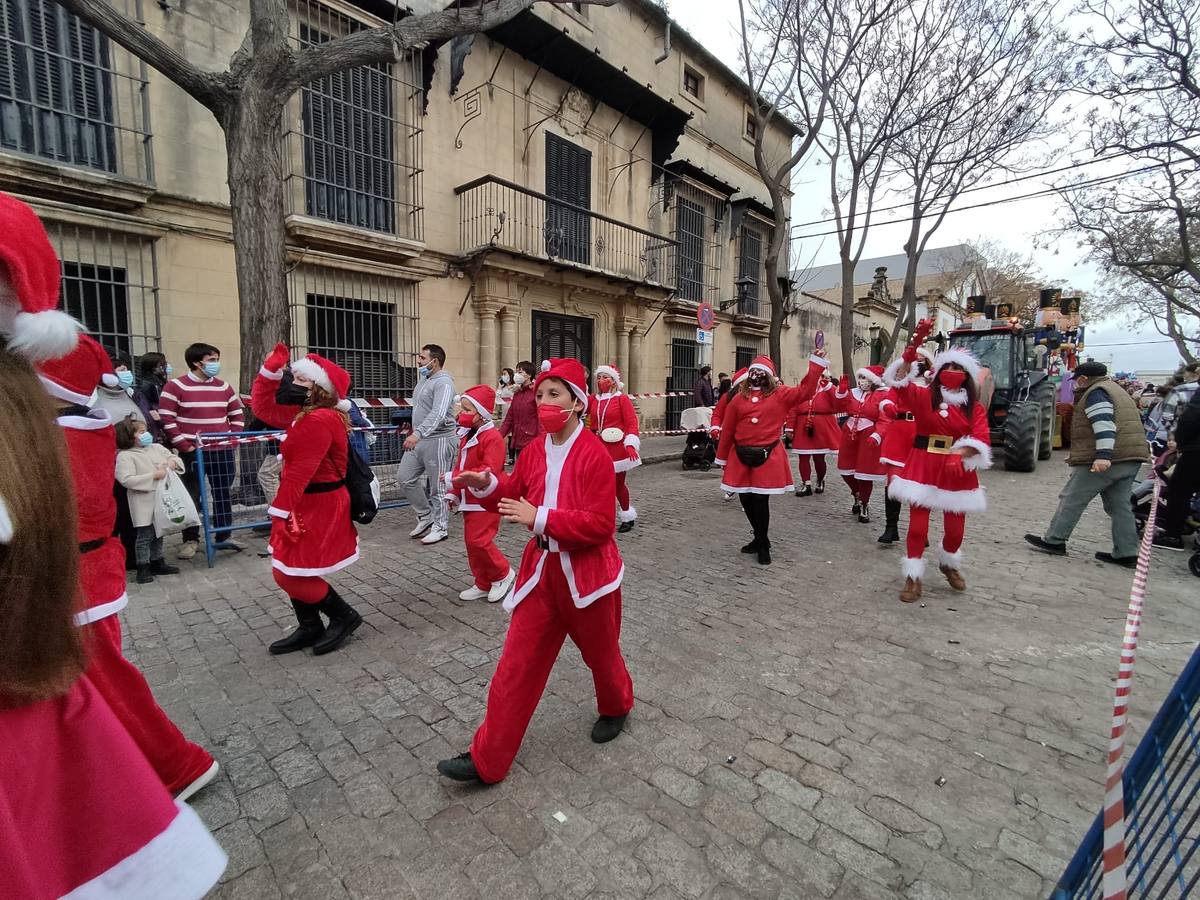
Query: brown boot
{"points": [[911, 591], [954, 578]]}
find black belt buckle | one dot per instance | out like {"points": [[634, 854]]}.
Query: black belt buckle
{"points": [[543, 543]]}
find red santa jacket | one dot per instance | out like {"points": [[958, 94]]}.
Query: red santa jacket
{"points": [[757, 421], [478, 450], [92, 451], [864, 410], [823, 403], [572, 487], [613, 416], [718, 413]]}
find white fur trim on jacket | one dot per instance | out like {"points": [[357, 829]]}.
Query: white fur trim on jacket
{"points": [[312, 371], [626, 465], [101, 611], [319, 570], [950, 560], [913, 568], [869, 375], [964, 358], [981, 460], [892, 376], [627, 515], [820, 361], [931, 497], [489, 490]]}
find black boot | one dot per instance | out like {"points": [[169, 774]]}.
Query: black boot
{"points": [[159, 567], [459, 768], [343, 619], [607, 728], [144, 575], [310, 631], [891, 529], [764, 555], [751, 547]]}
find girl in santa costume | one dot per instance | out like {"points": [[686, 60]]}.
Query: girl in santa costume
{"points": [[753, 458], [858, 457], [813, 432], [312, 534], [480, 447], [898, 427], [82, 812], [569, 581], [950, 448], [611, 415]]}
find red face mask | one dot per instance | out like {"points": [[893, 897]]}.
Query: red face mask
{"points": [[553, 418], [604, 385], [952, 380], [466, 419]]}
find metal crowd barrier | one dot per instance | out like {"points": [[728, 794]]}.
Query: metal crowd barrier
{"points": [[1162, 807], [232, 495]]}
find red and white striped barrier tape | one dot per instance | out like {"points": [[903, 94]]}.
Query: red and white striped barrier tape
{"points": [[1113, 882], [278, 435], [403, 402]]}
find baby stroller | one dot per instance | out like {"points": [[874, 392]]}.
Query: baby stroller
{"points": [[1143, 495], [698, 449]]}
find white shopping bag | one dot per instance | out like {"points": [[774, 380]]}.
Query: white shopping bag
{"points": [[173, 507]]}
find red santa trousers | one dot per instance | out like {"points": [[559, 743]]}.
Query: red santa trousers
{"points": [[487, 563], [175, 759], [539, 625]]}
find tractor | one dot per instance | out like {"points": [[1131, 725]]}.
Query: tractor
{"points": [[1018, 394]]}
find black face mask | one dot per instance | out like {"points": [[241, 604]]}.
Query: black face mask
{"points": [[290, 393], [758, 379]]}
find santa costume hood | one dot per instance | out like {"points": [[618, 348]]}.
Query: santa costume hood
{"points": [[30, 277], [482, 398], [327, 375], [75, 377], [571, 372], [613, 373]]}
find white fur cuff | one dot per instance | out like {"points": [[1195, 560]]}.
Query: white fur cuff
{"points": [[627, 515], [892, 376], [539, 521], [982, 458], [950, 560], [819, 361], [489, 490], [272, 376], [913, 568], [632, 440]]}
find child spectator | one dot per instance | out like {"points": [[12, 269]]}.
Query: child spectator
{"points": [[141, 465]]}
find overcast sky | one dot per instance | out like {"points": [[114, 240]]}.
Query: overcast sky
{"points": [[1015, 225]]}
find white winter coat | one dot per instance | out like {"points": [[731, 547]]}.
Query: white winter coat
{"points": [[135, 470]]}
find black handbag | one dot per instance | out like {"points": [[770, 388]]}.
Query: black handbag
{"points": [[754, 456]]}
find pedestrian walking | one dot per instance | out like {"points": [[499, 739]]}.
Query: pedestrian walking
{"points": [[702, 391], [521, 427], [941, 473], [569, 581], [480, 448], [612, 417], [755, 464], [858, 455], [1185, 479], [724, 385], [199, 403], [84, 813], [312, 534], [898, 426], [813, 434], [429, 451], [141, 467], [1108, 448]]}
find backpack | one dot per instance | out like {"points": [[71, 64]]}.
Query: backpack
{"points": [[363, 487]]}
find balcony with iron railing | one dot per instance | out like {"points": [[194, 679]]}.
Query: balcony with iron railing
{"points": [[500, 214]]}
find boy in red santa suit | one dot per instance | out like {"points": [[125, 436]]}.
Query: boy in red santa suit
{"points": [[950, 449], [898, 427], [611, 416], [813, 433], [480, 448], [569, 581], [858, 457]]}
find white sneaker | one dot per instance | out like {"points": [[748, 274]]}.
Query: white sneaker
{"points": [[728, 497], [202, 782], [436, 535], [501, 588], [423, 525], [188, 550], [473, 593]]}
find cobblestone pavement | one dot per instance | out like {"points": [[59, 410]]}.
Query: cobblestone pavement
{"points": [[792, 729]]}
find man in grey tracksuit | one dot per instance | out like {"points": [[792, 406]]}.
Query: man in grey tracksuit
{"points": [[430, 449]]}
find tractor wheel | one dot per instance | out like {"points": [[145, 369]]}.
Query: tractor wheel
{"points": [[1022, 436], [1043, 395]]}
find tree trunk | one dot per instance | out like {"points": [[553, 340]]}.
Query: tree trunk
{"points": [[778, 314], [847, 316], [256, 201]]}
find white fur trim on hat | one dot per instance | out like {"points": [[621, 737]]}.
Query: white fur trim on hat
{"points": [[545, 365], [610, 372], [741, 378], [344, 405], [963, 358], [913, 568], [50, 334], [109, 380], [759, 367], [486, 413], [314, 373], [58, 392], [869, 375], [928, 354]]}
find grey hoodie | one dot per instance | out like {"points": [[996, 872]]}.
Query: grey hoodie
{"points": [[431, 401]]}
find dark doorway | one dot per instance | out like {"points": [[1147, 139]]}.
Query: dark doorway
{"points": [[685, 362]]}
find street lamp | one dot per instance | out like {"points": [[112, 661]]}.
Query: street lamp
{"points": [[742, 283], [874, 330]]}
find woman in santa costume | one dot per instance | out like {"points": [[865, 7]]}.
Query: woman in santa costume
{"points": [[718, 413], [755, 463], [479, 448], [312, 534], [82, 812], [858, 457], [569, 581], [950, 448], [813, 432], [898, 427], [611, 416]]}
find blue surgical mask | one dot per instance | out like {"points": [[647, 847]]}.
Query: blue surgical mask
{"points": [[145, 439], [125, 377], [212, 369], [169, 370], [423, 372]]}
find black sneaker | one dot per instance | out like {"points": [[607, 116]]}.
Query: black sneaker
{"points": [[459, 768], [805, 491], [1129, 562], [820, 488], [625, 527], [1168, 542], [1037, 543], [856, 508], [864, 517], [605, 729]]}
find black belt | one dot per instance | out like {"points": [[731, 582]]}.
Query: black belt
{"points": [[543, 543], [905, 417], [89, 546], [324, 487], [934, 443]]}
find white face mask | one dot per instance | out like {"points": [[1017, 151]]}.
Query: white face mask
{"points": [[519, 378], [504, 379], [864, 385]]}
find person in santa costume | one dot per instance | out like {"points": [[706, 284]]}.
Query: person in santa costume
{"points": [[718, 413], [898, 427], [82, 812], [480, 447], [569, 580], [858, 457], [611, 416], [813, 433], [312, 534], [754, 462], [950, 448]]}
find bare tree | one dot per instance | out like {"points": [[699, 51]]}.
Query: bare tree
{"points": [[1004, 275], [248, 100]]}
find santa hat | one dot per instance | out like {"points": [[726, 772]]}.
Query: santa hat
{"points": [[612, 372], [739, 376], [482, 397], [928, 354], [30, 277], [326, 374], [762, 364], [570, 371], [873, 374], [961, 357], [74, 377]]}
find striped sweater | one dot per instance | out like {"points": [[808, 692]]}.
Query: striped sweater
{"points": [[192, 405], [1099, 409]]}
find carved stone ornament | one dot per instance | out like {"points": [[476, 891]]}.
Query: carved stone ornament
{"points": [[575, 111]]}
